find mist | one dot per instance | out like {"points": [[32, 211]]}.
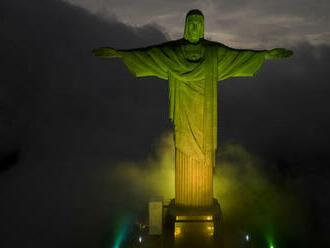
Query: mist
{"points": [[252, 200]]}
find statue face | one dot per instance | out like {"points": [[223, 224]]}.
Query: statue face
{"points": [[194, 29]]}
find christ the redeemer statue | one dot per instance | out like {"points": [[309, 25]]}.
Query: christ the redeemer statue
{"points": [[193, 66]]}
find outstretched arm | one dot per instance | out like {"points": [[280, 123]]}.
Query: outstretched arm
{"points": [[278, 53], [106, 52], [142, 62], [245, 63], [239, 62]]}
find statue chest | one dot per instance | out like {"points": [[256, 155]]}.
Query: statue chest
{"points": [[193, 52]]}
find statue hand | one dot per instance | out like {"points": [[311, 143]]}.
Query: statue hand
{"points": [[278, 53], [106, 52]]}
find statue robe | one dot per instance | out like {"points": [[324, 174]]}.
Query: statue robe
{"points": [[193, 103]]}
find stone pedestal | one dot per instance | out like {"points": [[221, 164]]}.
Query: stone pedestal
{"points": [[193, 227]]}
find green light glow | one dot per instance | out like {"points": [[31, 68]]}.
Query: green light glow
{"points": [[270, 241], [123, 226]]}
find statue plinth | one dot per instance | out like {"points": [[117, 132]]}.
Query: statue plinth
{"points": [[193, 226]]}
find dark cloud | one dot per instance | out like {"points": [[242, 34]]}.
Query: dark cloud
{"points": [[253, 23], [282, 115], [71, 116], [67, 117]]}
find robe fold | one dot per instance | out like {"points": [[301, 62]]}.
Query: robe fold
{"points": [[193, 100]]}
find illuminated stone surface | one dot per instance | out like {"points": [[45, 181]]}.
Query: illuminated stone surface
{"points": [[193, 66]]}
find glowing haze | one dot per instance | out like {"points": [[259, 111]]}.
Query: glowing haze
{"points": [[239, 23], [249, 198]]}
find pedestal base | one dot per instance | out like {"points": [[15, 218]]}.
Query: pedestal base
{"points": [[193, 227]]}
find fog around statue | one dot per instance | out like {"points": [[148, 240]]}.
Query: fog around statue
{"points": [[193, 66]]}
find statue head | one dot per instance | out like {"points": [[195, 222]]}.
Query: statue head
{"points": [[194, 26]]}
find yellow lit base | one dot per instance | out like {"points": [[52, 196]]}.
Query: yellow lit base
{"points": [[192, 225], [195, 227]]}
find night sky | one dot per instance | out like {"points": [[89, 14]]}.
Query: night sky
{"points": [[67, 118]]}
